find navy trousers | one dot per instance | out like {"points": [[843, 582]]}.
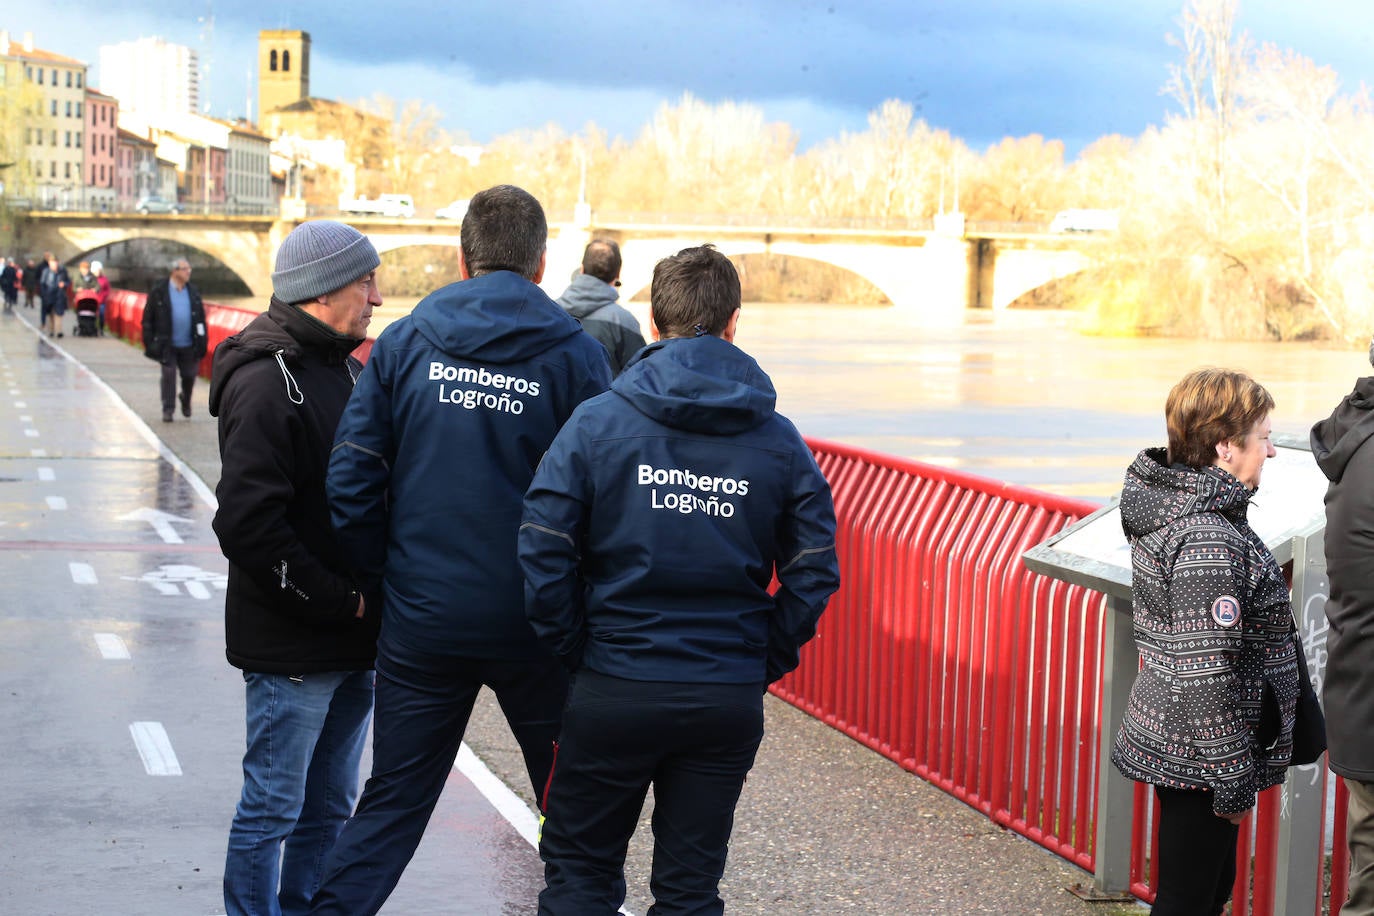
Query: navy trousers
{"points": [[695, 743], [422, 709]]}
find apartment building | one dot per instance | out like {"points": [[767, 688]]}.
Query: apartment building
{"points": [[152, 76], [54, 122], [102, 139]]}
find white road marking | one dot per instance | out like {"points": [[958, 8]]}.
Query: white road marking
{"points": [[24, 419], [499, 795], [31, 433], [15, 391], [198, 590], [57, 503], [46, 474], [161, 522], [20, 404], [83, 573], [155, 748], [38, 452], [111, 647]]}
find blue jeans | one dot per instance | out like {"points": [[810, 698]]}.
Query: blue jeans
{"points": [[300, 780]]}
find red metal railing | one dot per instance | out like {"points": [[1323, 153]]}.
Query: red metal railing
{"points": [[942, 652]]}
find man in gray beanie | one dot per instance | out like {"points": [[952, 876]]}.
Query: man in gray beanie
{"points": [[298, 621]]}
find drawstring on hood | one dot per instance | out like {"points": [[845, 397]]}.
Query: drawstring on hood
{"points": [[293, 391]]}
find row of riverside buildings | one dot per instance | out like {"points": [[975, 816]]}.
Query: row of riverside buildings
{"points": [[139, 140]]}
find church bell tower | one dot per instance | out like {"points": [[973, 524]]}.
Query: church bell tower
{"points": [[283, 69]]}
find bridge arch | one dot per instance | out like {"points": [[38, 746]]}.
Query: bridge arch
{"points": [[135, 269]]}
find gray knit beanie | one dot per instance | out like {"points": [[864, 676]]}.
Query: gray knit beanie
{"points": [[319, 257]]}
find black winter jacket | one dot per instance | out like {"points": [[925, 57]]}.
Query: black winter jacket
{"points": [[278, 388], [1341, 445], [157, 322], [1213, 704]]}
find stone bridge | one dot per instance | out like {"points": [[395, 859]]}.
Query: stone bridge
{"points": [[932, 274]]}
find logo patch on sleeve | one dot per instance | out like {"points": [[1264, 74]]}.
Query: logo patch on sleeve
{"points": [[1226, 611]]}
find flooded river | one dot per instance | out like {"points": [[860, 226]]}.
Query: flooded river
{"points": [[1017, 396]]}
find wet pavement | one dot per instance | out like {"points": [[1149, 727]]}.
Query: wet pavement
{"points": [[123, 722]]}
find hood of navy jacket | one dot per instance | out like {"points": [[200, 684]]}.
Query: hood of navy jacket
{"points": [[1157, 494], [1335, 439], [497, 318], [283, 329], [702, 384], [587, 294]]}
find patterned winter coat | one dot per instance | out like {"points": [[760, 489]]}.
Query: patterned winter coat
{"points": [[1212, 706]]}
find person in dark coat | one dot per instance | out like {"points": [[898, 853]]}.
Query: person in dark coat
{"points": [[1343, 446], [1209, 722], [53, 284], [32, 271], [9, 283], [457, 405], [297, 621], [650, 538], [592, 300], [174, 335]]}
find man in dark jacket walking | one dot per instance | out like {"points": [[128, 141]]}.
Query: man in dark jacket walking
{"points": [[651, 534], [592, 300], [1343, 445], [297, 621], [457, 404], [174, 335]]}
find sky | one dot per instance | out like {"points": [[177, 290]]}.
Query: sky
{"points": [[1073, 70]]}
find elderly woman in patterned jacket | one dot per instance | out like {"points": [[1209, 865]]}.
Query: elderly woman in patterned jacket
{"points": [[1210, 719]]}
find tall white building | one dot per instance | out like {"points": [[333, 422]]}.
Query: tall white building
{"points": [[151, 76]]}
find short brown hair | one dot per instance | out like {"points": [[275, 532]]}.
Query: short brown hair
{"points": [[694, 293], [1208, 406]]}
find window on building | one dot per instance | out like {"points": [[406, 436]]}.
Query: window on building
{"points": [[52, 170], [67, 138], [286, 61], [54, 108], [54, 137], [28, 72], [272, 60], [38, 170], [78, 80], [78, 139], [69, 79], [69, 108], [40, 76], [78, 109], [54, 76], [66, 170]]}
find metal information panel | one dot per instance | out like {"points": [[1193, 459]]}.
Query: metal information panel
{"points": [[1093, 551]]}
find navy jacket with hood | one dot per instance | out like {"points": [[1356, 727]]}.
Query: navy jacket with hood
{"points": [[1343, 445], [660, 515], [457, 404]]}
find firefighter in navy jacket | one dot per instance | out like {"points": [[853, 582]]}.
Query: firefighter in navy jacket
{"points": [[651, 533], [434, 452]]}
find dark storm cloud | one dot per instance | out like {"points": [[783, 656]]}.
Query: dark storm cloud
{"points": [[1068, 69]]}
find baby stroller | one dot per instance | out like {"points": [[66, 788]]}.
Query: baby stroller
{"points": [[87, 317]]}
